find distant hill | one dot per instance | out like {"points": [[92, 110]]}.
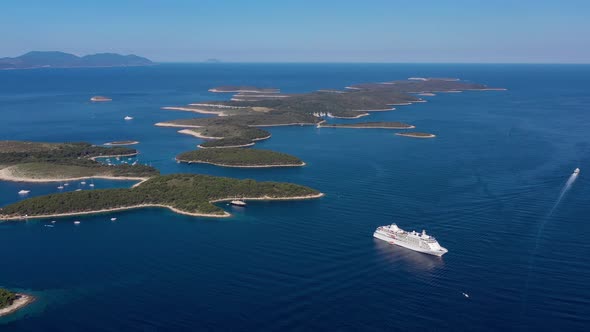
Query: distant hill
{"points": [[37, 59]]}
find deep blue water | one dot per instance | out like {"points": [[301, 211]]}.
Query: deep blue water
{"points": [[484, 187]]}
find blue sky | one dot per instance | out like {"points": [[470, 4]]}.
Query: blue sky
{"points": [[304, 31]]}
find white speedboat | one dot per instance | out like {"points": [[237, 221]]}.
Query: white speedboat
{"points": [[113, 219], [576, 171], [412, 240], [24, 192], [76, 222], [128, 117], [238, 203]]}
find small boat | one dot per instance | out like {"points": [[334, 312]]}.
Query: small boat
{"points": [[113, 219], [576, 171], [24, 192], [76, 222], [238, 203], [60, 187], [48, 225], [466, 295], [66, 184], [53, 221], [78, 190], [128, 117], [82, 182]]}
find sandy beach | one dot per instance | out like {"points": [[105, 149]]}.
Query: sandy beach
{"points": [[196, 134], [349, 117], [22, 301]]}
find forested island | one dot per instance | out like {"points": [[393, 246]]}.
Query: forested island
{"points": [[43, 162], [182, 193], [258, 107], [11, 302], [236, 157]]}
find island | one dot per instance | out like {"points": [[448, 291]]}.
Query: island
{"points": [[119, 143], [416, 135], [236, 157], [11, 302], [50, 162], [187, 194], [52, 59], [253, 106], [368, 125], [100, 99], [225, 136]]}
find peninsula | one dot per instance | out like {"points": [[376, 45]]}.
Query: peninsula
{"points": [[225, 136], [236, 157], [187, 194], [11, 302], [47, 162], [37, 59]]}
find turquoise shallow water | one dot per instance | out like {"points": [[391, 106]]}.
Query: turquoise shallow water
{"points": [[484, 187]]}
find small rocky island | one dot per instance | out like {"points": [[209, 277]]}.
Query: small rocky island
{"points": [[46, 162], [100, 99], [121, 143], [10, 302], [187, 194], [368, 125], [237, 157], [416, 135]]}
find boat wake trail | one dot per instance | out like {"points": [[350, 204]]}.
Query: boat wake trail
{"points": [[568, 184]]}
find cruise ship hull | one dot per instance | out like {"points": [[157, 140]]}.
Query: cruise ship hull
{"points": [[381, 236]]}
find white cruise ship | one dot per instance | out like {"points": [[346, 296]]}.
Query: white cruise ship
{"points": [[412, 240]]}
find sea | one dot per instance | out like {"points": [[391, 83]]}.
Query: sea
{"points": [[493, 187]]}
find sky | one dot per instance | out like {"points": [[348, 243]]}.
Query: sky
{"points": [[492, 31]]}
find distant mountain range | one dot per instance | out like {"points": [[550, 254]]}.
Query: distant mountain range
{"points": [[37, 59]]}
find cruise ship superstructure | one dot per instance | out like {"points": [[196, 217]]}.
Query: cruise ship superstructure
{"points": [[412, 240]]}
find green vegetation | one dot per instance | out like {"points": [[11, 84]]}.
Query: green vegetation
{"points": [[65, 160], [261, 119], [377, 125], [237, 157], [231, 135], [227, 131], [185, 192], [227, 142], [6, 298]]}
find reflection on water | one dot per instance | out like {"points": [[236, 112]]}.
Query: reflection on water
{"points": [[403, 257]]}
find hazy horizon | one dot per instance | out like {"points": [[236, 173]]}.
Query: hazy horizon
{"points": [[375, 31]]}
